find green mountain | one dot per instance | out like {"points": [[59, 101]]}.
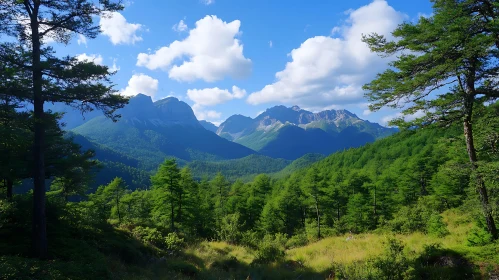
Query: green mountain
{"points": [[290, 133], [244, 168], [150, 132]]}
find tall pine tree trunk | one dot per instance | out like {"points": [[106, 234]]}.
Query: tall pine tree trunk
{"points": [[480, 183], [318, 218], [470, 147], [9, 184], [39, 234]]}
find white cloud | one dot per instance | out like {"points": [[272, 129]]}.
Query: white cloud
{"points": [[25, 24], [141, 83], [95, 58], [270, 44], [114, 68], [210, 52], [214, 96], [208, 2], [209, 115], [119, 31], [180, 26], [82, 40], [386, 119], [327, 71]]}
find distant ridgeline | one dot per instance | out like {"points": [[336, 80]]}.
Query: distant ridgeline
{"points": [[282, 132], [148, 132]]}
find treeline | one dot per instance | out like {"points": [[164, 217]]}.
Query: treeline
{"points": [[400, 184]]}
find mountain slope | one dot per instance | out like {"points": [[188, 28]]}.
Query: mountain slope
{"points": [[290, 133], [149, 132], [209, 126]]}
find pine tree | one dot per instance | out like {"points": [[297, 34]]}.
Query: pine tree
{"points": [[84, 85], [454, 52], [166, 184]]}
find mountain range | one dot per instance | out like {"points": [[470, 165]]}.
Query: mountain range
{"points": [[152, 131], [148, 132], [291, 132]]}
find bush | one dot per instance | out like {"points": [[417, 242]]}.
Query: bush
{"points": [[230, 229], [148, 235], [251, 239], [173, 242], [478, 236], [269, 250], [226, 264], [412, 218], [436, 226], [393, 264], [297, 241]]}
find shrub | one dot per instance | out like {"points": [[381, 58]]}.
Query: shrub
{"points": [[148, 235], [393, 264], [173, 242], [269, 250], [226, 264], [478, 236], [436, 226], [250, 238], [297, 241], [412, 218], [230, 229]]}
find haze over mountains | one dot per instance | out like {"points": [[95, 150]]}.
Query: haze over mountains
{"points": [[148, 132]]}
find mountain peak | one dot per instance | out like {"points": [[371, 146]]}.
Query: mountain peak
{"points": [[296, 108]]}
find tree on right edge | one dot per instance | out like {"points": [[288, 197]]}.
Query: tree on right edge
{"points": [[446, 67]]}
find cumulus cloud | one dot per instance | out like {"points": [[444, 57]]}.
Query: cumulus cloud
{"points": [[115, 26], [95, 58], [386, 119], [210, 52], [214, 96], [82, 40], [180, 26], [208, 115], [141, 83], [330, 71], [270, 44]]}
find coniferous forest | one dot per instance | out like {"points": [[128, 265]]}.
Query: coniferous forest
{"points": [[422, 203]]}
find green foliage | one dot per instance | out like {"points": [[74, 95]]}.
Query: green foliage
{"points": [[230, 228], [413, 218], [479, 236], [297, 240], [436, 226], [270, 249], [243, 168], [173, 242], [393, 264], [149, 235]]}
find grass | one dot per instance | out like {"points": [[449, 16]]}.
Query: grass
{"points": [[322, 254], [110, 253]]}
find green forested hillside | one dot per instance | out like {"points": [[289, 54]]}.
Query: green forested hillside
{"points": [[420, 204], [150, 145], [244, 168]]}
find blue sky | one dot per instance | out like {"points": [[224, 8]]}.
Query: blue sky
{"points": [[226, 57]]}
